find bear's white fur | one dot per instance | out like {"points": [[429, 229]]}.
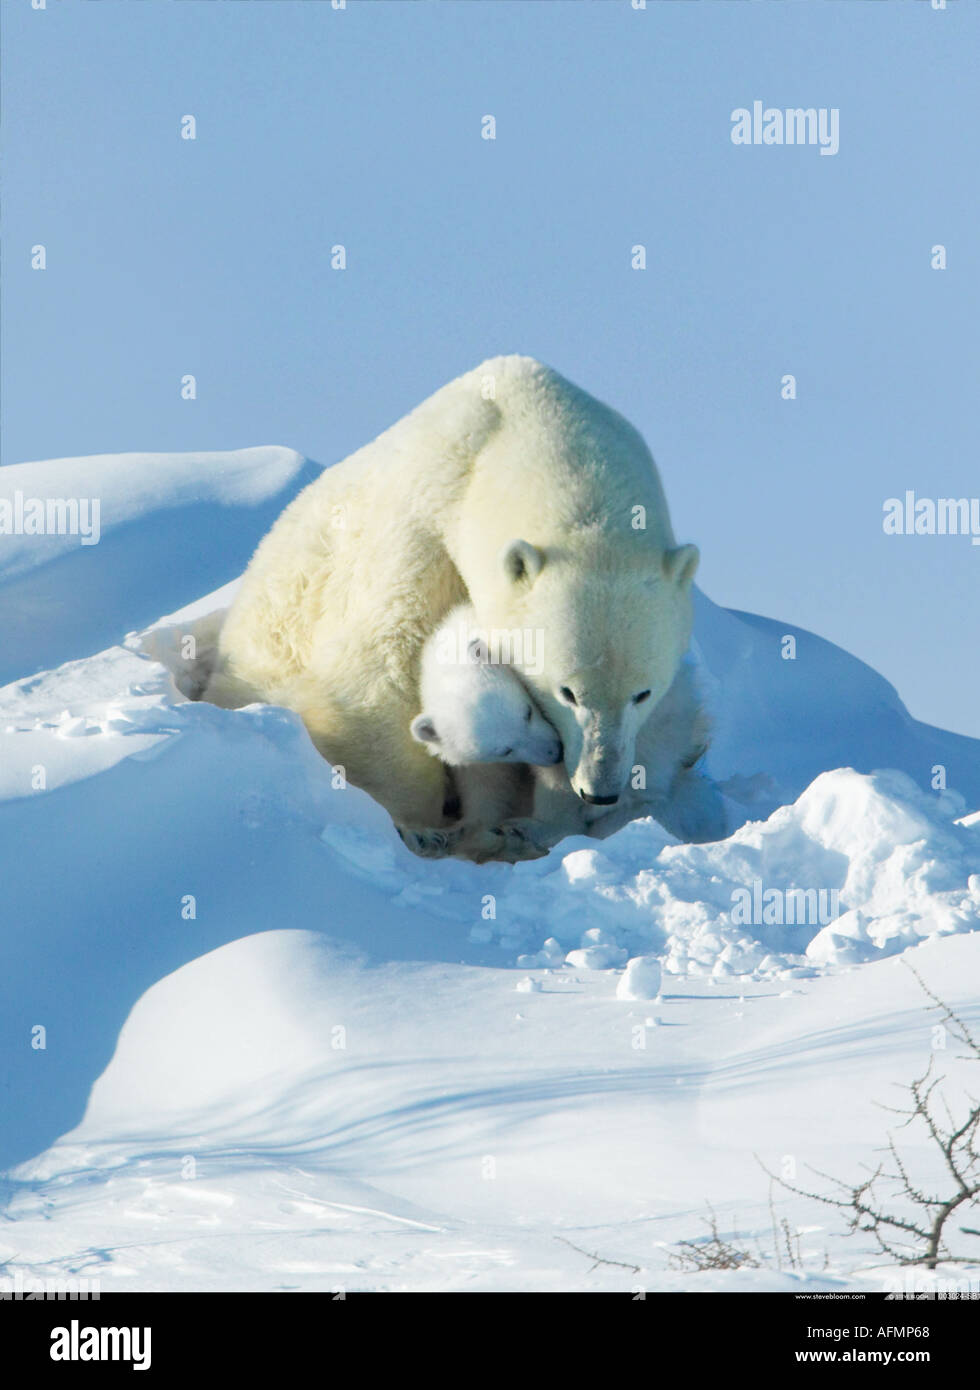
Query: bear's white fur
{"points": [[526, 811], [509, 487], [476, 711], [665, 782]]}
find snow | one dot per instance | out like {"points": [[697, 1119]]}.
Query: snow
{"points": [[159, 516], [641, 979], [282, 1052]]}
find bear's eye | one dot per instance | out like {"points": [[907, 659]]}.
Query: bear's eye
{"points": [[566, 694], [506, 752], [527, 717], [643, 695]]}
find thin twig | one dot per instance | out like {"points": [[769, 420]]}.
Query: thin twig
{"points": [[599, 1259]]}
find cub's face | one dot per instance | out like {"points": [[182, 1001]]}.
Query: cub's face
{"points": [[484, 714]]}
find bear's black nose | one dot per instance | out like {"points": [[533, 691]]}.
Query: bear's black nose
{"points": [[599, 800]]}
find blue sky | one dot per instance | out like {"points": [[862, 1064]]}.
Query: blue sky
{"points": [[363, 127]]}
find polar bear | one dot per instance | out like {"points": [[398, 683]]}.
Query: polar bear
{"points": [[666, 782], [535, 806], [476, 709], [509, 488], [479, 720]]}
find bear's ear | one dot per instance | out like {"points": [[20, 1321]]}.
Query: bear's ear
{"points": [[680, 564], [423, 729], [521, 562]]}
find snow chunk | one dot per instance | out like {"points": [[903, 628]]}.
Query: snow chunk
{"points": [[641, 979], [595, 958]]}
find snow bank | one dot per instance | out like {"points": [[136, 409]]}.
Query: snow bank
{"points": [[858, 868], [170, 527], [780, 722], [234, 962]]}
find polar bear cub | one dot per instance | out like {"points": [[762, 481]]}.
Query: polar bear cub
{"points": [[475, 709], [479, 720]]}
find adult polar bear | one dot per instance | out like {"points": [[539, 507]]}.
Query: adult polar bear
{"points": [[517, 490]]}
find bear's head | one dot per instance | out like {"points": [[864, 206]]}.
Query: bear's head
{"points": [[478, 711], [598, 644]]}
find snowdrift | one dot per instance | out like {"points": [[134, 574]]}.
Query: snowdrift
{"points": [[171, 526], [264, 1020]]}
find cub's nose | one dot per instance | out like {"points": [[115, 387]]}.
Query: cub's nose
{"points": [[599, 800], [559, 753]]}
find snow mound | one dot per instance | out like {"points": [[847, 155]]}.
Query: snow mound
{"points": [[641, 979], [858, 868], [213, 954], [170, 527], [779, 723]]}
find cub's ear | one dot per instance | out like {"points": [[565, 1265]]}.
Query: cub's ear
{"points": [[521, 562], [680, 564], [423, 729]]}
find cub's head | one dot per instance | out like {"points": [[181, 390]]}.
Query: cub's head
{"points": [[478, 711], [604, 629]]}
